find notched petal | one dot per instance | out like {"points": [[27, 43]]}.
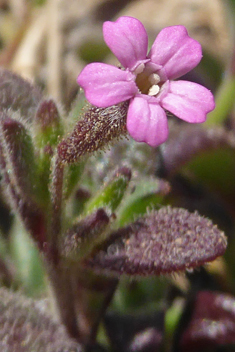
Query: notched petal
{"points": [[189, 101], [167, 241], [175, 51], [147, 122], [127, 39]]}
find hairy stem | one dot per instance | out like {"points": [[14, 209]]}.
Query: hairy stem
{"points": [[56, 206], [81, 297], [60, 284], [58, 273], [93, 294]]}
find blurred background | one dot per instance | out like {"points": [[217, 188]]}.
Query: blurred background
{"points": [[50, 41]]}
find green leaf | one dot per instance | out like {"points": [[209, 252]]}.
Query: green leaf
{"points": [[172, 318], [133, 295], [112, 193], [73, 175], [77, 110], [216, 169], [27, 260], [224, 102], [148, 194], [47, 129]]}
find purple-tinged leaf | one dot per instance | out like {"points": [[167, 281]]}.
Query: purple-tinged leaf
{"points": [[212, 323], [80, 198], [47, 123], [187, 141], [29, 212], [47, 114], [27, 326], [18, 153], [17, 167], [18, 94], [84, 235], [166, 241], [135, 333], [95, 131]]}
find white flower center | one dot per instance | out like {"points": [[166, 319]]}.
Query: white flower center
{"points": [[148, 83]]}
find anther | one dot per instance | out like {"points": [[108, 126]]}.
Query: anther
{"points": [[154, 90], [154, 78]]}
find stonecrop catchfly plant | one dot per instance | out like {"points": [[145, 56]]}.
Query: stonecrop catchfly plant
{"points": [[147, 79]]}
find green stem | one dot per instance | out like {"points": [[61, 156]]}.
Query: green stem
{"points": [[225, 98]]}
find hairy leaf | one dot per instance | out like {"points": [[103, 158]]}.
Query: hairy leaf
{"points": [[166, 241], [47, 123], [18, 94], [84, 235], [17, 167], [26, 326], [110, 196], [73, 174], [18, 153], [47, 129]]}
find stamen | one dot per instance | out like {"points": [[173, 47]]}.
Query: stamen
{"points": [[154, 90], [154, 78], [139, 68]]}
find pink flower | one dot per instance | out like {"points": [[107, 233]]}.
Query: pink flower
{"points": [[146, 79]]}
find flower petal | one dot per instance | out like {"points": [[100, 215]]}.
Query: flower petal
{"points": [[175, 51], [127, 39], [147, 122], [106, 85], [188, 100]]}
